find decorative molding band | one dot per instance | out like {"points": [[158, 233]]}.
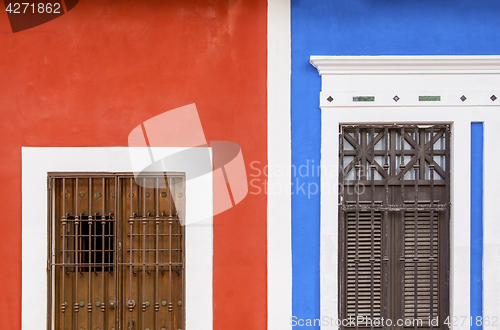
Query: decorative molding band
{"points": [[351, 65], [333, 99]]}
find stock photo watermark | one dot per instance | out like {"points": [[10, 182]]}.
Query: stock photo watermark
{"points": [[363, 321], [304, 180], [25, 15], [184, 148]]}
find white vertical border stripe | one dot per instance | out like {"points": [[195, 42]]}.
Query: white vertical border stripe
{"points": [[491, 223], [279, 245], [37, 162], [405, 75], [329, 218]]}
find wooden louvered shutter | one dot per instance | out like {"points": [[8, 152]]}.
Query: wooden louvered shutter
{"points": [[363, 277], [421, 260]]}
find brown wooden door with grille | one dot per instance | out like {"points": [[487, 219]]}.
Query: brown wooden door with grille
{"points": [[116, 258], [394, 225]]}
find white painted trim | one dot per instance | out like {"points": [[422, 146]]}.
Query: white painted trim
{"points": [[467, 76], [37, 162], [404, 65], [279, 240], [329, 218], [491, 223]]}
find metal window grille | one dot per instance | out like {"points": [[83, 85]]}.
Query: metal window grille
{"points": [[116, 252], [394, 225]]}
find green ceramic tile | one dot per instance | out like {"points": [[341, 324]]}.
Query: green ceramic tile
{"points": [[363, 98], [429, 98]]}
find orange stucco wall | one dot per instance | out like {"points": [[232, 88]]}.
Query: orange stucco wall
{"points": [[89, 77]]}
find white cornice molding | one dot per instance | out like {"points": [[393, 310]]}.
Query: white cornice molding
{"points": [[366, 65], [408, 81]]}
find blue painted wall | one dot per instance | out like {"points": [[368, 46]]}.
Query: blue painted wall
{"points": [[362, 27], [476, 228]]}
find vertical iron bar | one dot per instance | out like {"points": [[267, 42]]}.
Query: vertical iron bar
{"points": [[116, 254], [103, 274], [89, 304], [77, 243], [147, 233], [131, 257], [113, 230], [177, 237], [416, 167], [63, 274], [386, 229], [170, 304], [431, 256], [343, 269], [163, 229], [402, 220], [372, 259], [144, 247], [94, 237], [356, 258], [157, 227]]}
